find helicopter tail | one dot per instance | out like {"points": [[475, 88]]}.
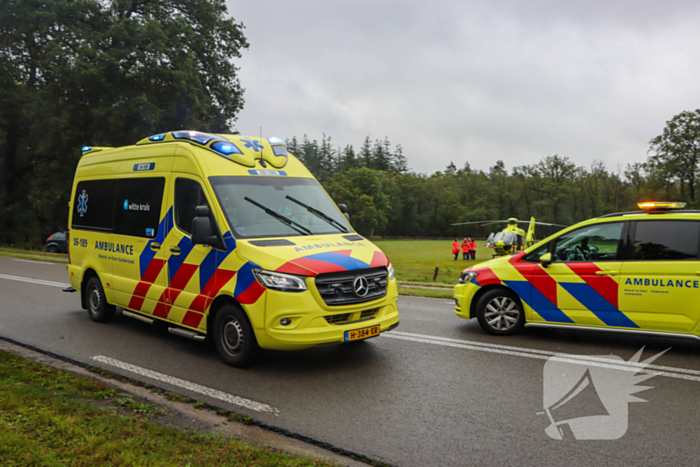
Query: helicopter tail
{"points": [[530, 237]]}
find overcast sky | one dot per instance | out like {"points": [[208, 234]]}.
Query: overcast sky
{"points": [[471, 81]]}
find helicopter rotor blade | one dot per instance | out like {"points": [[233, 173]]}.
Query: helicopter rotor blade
{"points": [[545, 223], [477, 222]]}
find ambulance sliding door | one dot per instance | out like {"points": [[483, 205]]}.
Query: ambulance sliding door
{"points": [[660, 283], [140, 226]]}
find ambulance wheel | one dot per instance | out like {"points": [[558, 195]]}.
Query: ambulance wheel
{"points": [[499, 312], [234, 338], [99, 310]]}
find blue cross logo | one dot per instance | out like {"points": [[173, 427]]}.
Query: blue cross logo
{"points": [[254, 145], [82, 204]]}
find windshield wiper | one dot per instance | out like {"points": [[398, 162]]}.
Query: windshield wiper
{"points": [[283, 219], [319, 214]]}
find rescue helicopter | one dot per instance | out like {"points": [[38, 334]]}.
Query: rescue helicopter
{"points": [[512, 239]]}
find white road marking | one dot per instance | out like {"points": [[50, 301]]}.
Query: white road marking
{"points": [[36, 262], [194, 387], [34, 281], [590, 360]]}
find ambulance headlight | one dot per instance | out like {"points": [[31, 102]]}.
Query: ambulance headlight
{"points": [[279, 281], [390, 270], [467, 276]]}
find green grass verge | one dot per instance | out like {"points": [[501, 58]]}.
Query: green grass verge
{"points": [[415, 260], [51, 417], [430, 293], [34, 255]]}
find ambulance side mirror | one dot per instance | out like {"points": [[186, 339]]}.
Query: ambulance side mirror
{"points": [[202, 230], [546, 260], [344, 209]]}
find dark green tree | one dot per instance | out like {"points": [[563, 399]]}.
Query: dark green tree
{"points": [[105, 73], [677, 151]]}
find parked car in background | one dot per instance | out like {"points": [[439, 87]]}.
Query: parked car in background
{"points": [[57, 243]]}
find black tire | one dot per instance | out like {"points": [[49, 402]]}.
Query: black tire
{"points": [[233, 337], [52, 249], [500, 312], [97, 307]]}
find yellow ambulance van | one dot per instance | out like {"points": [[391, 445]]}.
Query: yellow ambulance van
{"points": [[633, 272], [227, 237]]}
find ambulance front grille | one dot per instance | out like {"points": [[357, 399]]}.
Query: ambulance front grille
{"points": [[344, 318], [338, 288]]}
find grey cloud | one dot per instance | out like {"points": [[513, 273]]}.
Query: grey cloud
{"points": [[471, 81]]}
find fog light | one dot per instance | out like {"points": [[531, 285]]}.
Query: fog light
{"points": [[285, 321], [456, 302]]}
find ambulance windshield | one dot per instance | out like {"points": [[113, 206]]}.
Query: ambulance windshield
{"points": [[285, 196]]}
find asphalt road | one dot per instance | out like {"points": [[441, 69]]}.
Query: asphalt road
{"points": [[437, 391]]}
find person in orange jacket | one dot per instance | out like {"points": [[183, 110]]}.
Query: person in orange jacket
{"points": [[472, 248], [465, 250], [455, 249]]}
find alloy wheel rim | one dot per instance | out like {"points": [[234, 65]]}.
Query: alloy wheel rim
{"points": [[502, 313]]}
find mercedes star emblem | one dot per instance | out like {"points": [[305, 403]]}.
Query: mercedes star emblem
{"points": [[361, 286]]}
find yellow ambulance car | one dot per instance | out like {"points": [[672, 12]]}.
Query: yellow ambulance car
{"points": [[634, 272], [224, 236]]}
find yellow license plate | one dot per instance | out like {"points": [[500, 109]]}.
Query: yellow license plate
{"points": [[364, 333]]}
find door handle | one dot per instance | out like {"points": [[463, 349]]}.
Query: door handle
{"points": [[155, 246], [175, 250], [606, 273]]}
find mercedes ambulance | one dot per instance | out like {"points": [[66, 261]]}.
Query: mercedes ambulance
{"points": [[634, 272], [227, 237]]}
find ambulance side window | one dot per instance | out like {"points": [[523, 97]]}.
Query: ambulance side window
{"points": [[666, 240], [93, 205], [599, 242], [137, 206], [188, 195]]}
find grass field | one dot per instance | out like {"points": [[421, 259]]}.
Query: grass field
{"points": [[415, 260], [36, 255], [50, 417]]}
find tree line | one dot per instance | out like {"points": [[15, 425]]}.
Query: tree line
{"points": [[385, 198]]}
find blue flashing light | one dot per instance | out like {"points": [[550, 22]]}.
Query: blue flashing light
{"points": [[225, 147], [86, 148], [159, 137], [197, 137], [276, 140]]}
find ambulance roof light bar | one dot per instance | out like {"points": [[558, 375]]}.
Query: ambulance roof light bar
{"points": [[660, 205], [197, 137]]}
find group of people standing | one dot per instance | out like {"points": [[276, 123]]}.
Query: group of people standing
{"points": [[468, 249]]}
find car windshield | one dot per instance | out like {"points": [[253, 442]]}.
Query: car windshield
{"points": [[259, 206]]}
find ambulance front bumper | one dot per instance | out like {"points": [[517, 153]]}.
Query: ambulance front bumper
{"points": [[295, 321], [464, 294]]}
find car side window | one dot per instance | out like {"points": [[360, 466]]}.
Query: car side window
{"points": [[93, 205], [599, 242], [137, 206], [188, 195], [666, 240], [534, 256]]}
